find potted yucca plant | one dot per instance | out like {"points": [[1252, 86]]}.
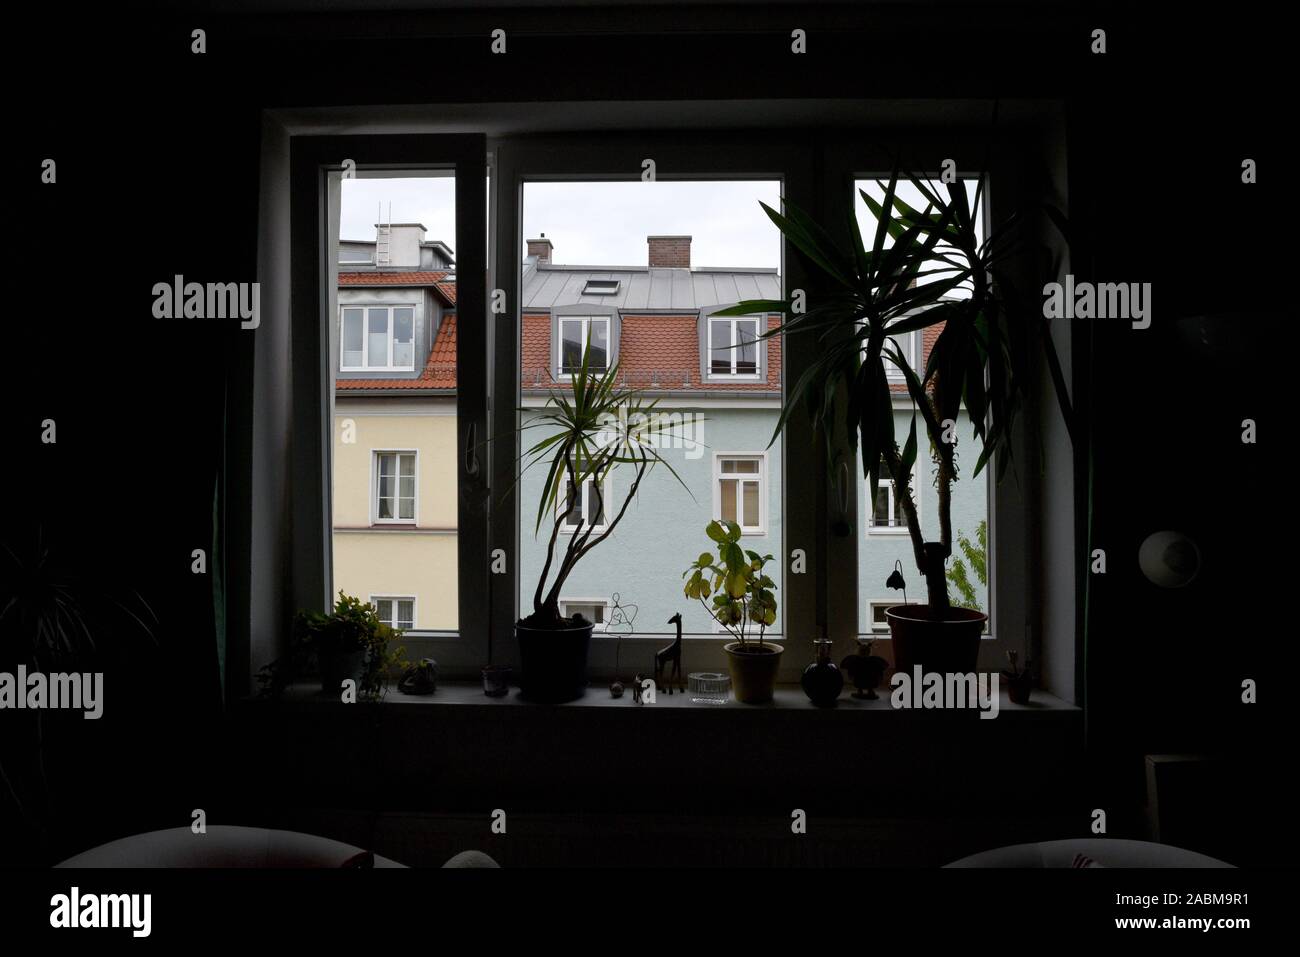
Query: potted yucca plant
{"points": [[925, 268], [590, 428]]}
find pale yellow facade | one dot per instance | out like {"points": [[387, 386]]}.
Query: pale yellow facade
{"points": [[415, 559]]}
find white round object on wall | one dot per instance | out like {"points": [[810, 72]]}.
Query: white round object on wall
{"points": [[1169, 559]]}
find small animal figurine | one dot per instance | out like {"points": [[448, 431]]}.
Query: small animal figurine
{"points": [[637, 690], [672, 653]]}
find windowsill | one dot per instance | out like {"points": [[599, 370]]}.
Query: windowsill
{"points": [[788, 698]]}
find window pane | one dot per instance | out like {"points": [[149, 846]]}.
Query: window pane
{"points": [[599, 344], [729, 500], [404, 337], [572, 509], [571, 344], [407, 325], [746, 466], [595, 506], [352, 337], [751, 505], [378, 338], [881, 516], [721, 354], [384, 608], [747, 352]]}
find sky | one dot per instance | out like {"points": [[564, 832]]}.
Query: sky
{"points": [[606, 223], [593, 223]]}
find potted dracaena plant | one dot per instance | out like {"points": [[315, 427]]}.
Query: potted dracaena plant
{"points": [[926, 269], [591, 428], [737, 592]]}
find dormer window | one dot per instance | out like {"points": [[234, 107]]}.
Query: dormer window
{"points": [[733, 347], [600, 287], [578, 333], [377, 339]]}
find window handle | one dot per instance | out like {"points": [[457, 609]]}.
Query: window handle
{"points": [[471, 453]]}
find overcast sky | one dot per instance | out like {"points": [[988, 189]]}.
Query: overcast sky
{"points": [[602, 223]]}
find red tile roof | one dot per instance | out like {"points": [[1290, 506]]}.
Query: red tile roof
{"points": [[439, 371], [439, 280]]}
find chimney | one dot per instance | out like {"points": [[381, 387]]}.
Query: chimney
{"points": [[670, 251], [398, 244], [541, 248]]}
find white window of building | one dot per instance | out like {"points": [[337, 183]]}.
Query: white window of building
{"points": [[377, 339], [887, 515], [578, 333], [738, 487], [394, 611], [584, 510], [733, 347], [906, 343], [876, 609], [395, 487], [595, 610]]}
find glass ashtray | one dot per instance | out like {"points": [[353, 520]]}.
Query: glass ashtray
{"points": [[709, 687]]}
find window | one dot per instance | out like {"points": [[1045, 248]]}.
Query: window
{"points": [[589, 511], [887, 515], [907, 346], [733, 347], [353, 257], [600, 287], [395, 487], [395, 612], [739, 490], [378, 338], [577, 333], [592, 609], [876, 608]]}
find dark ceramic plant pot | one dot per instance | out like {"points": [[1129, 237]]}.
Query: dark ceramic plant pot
{"points": [[336, 668], [553, 662], [753, 670], [950, 645], [1019, 687]]}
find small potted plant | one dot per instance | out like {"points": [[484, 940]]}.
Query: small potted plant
{"points": [[348, 643], [739, 595], [591, 428], [1020, 681]]}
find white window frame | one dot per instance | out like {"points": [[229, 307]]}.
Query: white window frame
{"points": [[873, 529], [365, 335], [563, 497], [761, 458], [874, 603], [374, 488], [565, 603], [586, 321], [907, 342], [415, 609], [733, 375]]}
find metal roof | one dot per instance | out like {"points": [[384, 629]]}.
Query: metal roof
{"points": [[546, 286]]}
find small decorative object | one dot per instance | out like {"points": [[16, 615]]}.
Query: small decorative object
{"points": [[637, 689], [620, 616], [709, 687], [616, 689], [1020, 681], [895, 580], [420, 679], [672, 653], [865, 669], [496, 681], [821, 680]]}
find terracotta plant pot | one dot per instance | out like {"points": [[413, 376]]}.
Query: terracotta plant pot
{"points": [[753, 670], [1019, 687], [950, 645], [553, 662]]}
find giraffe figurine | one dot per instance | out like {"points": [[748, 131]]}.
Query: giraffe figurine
{"points": [[672, 653]]}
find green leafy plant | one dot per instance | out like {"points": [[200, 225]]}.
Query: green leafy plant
{"points": [[974, 555], [591, 428], [733, 587], [352, 626], [908, 280]]}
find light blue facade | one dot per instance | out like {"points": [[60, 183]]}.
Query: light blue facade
{"points": [[663, 530]]}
